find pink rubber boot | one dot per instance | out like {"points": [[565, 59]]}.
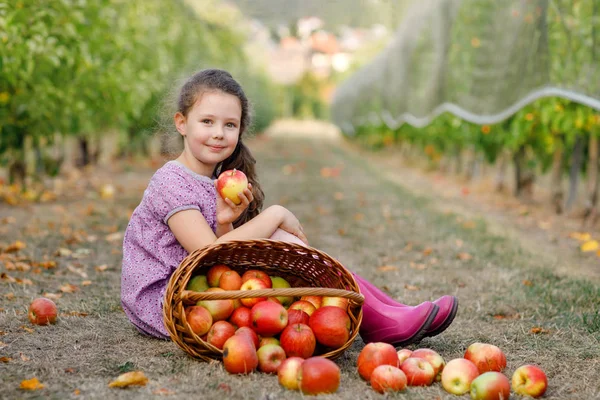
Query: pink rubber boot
{"points": [[448, 305]]}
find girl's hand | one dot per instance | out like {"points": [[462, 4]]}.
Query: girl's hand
{"points": [[228, 211], [292, 225]]}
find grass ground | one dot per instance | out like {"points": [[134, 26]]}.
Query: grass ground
{"points": [[509, 295]]}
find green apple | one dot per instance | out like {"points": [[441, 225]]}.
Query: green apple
{"points": [[280, 283], [198, 283]]}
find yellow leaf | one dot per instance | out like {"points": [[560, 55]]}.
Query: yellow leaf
{"points": [[86, 283], [411, 287], [101, 268], [386, 268], [68, 288], [130, 378], [31, 384], [464, 256], [590, 245], [16, 246], [581, 236]]}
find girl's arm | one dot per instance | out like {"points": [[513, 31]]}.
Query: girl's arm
{"points": [[193, 232]]}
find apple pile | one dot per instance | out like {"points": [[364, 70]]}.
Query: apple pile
{"points": [[479, 372], [262, 333]]}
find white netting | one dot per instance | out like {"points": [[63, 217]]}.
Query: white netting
{"points": [[481, 60]]}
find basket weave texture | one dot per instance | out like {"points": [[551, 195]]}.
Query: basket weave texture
{"points": [[309, 271]]}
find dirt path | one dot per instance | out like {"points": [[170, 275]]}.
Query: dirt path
{"points": [[396, 238]]}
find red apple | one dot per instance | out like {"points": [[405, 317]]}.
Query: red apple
{"points": [[373, 355], [315, 300], [268, 318], [214, 274], [278, 282], [403, 354], [387, 378], [340, 302], [418, 371], [219, 333], [298, 341], [199, 319], [253, 284], [486, 357], [319, 375], [458, 375], [42, 311], [219, 309], [241, 316], [230, 183], [257, 274], [230, 280], [268, 340], [296, 316], [198, 283], [249, 334], [288, 372], [490, 386], [270, 357], [529, 380], [436, 361], [303, 305], [331, 326], [239, 355]]}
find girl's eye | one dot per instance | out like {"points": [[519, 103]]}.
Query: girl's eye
{"points": [[230, 125], [206, 121]]}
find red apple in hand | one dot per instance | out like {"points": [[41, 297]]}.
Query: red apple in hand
{"points": [[529, 380], [319, 375], [331, 326], [268, 318], [387, 378], [298, 341], [373, 355], [270, 357], [42, 311], [490, 386], [288, 372], [230, 183], [486, 357], [458, 375], [239, 355], [418, 371]]}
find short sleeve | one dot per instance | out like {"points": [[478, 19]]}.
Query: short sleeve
{"points": [[170, 192]]}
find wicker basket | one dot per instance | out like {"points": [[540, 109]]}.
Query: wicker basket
{"points": [[309, 271]]}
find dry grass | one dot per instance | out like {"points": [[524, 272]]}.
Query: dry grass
{"points": [[506, 292]]}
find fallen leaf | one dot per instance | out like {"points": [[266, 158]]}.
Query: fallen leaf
{"points": [[163, 392], [359, 217], [70, 370], [52, 296], [323, 210], [76, 392], [590, 245], [62, 252], [101, 268], [386, 268], [411, 287], [86, 283], [338, 196], [74, 314], [5, 359], [9, 296], [341, 232], [5, 277], [459, 243], [47, 264], [417, 266], [68, 288], [224, 387], [24, 357], [507, 316], [14, 247], [78, 271], [427, 251], [581, 236], [537, 330], [527, 282], [31, 384], [114, 237], [27, 329], [468, 225], [136, 378], [464, 256]]}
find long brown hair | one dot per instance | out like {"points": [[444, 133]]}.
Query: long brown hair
{"points": [[241, 158]]}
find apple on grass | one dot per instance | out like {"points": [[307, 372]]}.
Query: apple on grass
{"points": [[230, 280], [373, 355], [268, 318], [42, 311], [288, 372], [387, 378], [331, 326], [199, 319], [403, 354], [418, 371], [486, 357], [298, 340], [490, 386], [319, 375], [458, 375], [529, 380], [239, 355], [230, 183], [219, 309], [214, 274], [219, 333], [436, 361], [198, 283], [278, 282], [270, 357], [253, 284]]}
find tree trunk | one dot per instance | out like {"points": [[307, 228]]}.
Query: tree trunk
{"points": [[576, 162], [593, 181], [499, 183], [556, 177], [84, 152], [523, 178]]}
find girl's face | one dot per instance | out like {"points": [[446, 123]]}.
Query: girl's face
{"points": [[211, 130]]}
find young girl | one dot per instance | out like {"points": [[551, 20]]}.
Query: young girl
{"points": [[180, 212]]}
